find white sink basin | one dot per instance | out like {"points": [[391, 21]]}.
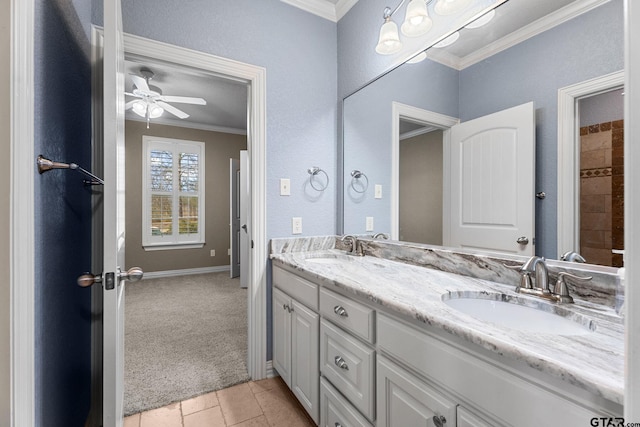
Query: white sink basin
{"points": [[327, 258], [520, 317]]}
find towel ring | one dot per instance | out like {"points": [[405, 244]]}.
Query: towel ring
{"points": [[355, 177], [314, 171]]}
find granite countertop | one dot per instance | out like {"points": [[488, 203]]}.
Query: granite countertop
{"points": [[593, 361]]}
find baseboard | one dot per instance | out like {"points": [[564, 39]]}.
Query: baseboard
{"points": [[186, 272], [270, 371]]}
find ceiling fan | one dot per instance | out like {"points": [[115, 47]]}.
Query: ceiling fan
{"points": [[151, 103]]}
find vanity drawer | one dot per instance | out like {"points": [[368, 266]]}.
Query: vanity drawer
{"points": [[295, 286], [349, 365], [350, 315], [335, 410]]}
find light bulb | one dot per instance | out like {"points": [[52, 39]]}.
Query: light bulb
{"points": [[140, 108], [389, 41], [155, 111], [416, 21]]}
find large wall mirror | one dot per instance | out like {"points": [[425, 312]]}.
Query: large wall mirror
{"points": [[401, 166]]}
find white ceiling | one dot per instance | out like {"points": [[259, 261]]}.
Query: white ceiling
{"points": [[226, 109]]}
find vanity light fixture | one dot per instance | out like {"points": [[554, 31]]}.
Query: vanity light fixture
{"points": [[417, 22]]}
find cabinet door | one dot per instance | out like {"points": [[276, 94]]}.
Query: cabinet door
{"points": [[282, 335], [305, 375], [404, 400]]}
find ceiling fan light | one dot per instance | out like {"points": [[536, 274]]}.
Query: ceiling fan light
{"points": [[417, 21], [140, 108], [155, 111], [389, 41], [449, 7]]}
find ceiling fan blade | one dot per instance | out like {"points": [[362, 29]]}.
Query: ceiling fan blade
{"points": [[173, 110], [130, 104], [140, 82], [184, 99]]}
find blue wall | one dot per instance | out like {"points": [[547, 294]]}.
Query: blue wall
{"points": [[62, 216], [588, 46]]}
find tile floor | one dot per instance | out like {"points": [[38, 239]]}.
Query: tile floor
{"points": [[267, 403]]}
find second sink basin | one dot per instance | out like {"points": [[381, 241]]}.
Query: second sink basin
{"points": [[513, 315]]}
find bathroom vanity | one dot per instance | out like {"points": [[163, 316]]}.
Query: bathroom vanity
{"points": [[381, 340]]}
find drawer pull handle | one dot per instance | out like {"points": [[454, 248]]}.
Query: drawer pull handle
{"points": [[340, 311], [338, 424], [286, 307], [439, 420], [340, 363]]}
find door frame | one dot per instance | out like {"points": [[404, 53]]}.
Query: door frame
{"points": [[256, 78], [569, 155], [441, 121]]}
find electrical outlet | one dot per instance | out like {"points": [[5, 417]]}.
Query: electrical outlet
{"points": [[369, 226], [296, 225], [213, 252], [378, 192], [285, 187], [229, 251]]}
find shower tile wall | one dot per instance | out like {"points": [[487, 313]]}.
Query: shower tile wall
{"points": [[601, 192]]}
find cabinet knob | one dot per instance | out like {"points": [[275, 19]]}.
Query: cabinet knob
{"points": [[340, 311], [340, 363], [338, 424], [439, 420]]}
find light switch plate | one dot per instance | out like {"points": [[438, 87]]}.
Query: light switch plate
{"points": [[285, 187], [369, 226], [296, 225], [378, 192]]}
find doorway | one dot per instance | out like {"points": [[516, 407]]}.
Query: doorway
{"points": [[181, 340], [569, 166]]}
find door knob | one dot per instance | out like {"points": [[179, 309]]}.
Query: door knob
{"points": [[244, 227], [134, 274], [522, 240], [88, 279]]}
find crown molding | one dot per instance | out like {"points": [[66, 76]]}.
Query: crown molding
{"points": [[324, 8], [543, 24], [190, 125]]}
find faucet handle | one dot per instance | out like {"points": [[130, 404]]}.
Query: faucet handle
{"points": [[561, 290]]}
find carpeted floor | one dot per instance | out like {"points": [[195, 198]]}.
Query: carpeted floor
{"points": [[184, 336]]}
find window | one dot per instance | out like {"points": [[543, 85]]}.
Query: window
{"points": [[173, 193]]}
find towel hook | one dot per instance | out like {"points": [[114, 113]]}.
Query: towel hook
{"points": [[314, 171], [355, 177], [45, 165]]}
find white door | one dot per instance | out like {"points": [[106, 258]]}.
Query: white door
{"points": [[234, 216], [113, 281], [282, 335], [245, 219], [493, 182]]}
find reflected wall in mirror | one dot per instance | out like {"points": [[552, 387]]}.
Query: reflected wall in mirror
{"points": [[552, 53]]}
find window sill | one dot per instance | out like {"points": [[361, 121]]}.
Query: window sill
{"points": [[172, 246]]}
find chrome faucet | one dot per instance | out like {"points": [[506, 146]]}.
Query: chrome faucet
{"points": [[572, 256], [384, 236], [355, 246], [536, 265]]}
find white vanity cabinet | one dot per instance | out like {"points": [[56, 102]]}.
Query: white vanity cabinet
{"points": [[296, 338]]}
